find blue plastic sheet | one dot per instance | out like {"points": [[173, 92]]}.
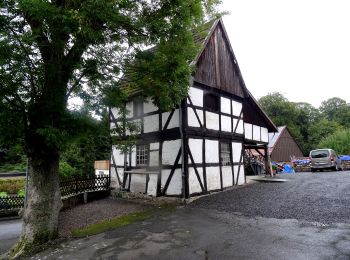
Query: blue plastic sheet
{"points": [[288, 169], [345, 157]]}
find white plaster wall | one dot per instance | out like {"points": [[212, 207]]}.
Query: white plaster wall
{"points": [[211, 151], [196, 96], [133, 157], [149, 107], [138, 183], [151, 124], [192, 119], [118, 156], [227, 176], [174, 122], [196, 150], [225, 123], [130, 109], [152, 185], [194, 185], [225, 105], [114, 181], [248, 131], [153, 158], [212, 120], [170, 150], [256, 133], [236, 108], [241, 178], [213, 178], [240, 128], [154, 146], [264, 135], [236, 152], [115, 112], [175, 185]]}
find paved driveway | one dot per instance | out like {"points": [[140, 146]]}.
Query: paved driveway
{"points": [[306, 218], [322, 196], [9, 233]]}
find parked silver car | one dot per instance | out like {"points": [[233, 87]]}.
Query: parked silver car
{"points": [[322, 159]]}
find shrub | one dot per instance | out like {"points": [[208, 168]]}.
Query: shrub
{"points": [[3, 194], [66, 170]]}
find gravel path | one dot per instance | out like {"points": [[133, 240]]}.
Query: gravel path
{"points": [[96, 211], [323, 197]]}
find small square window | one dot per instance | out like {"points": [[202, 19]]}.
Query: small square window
{"points": [[225, 154], [211, 102], [142, 155]]}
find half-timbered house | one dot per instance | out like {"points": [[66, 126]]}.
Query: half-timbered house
{"points": [[197, 147]]}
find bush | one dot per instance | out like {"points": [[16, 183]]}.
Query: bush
{"points": [[12, 186], [3, 194], [338, 141], [66, 170]]}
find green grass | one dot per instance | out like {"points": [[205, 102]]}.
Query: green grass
{"points": [[112, 223], [120, 221]]}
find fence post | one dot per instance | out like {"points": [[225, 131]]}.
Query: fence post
{"points": [[76, 185]]}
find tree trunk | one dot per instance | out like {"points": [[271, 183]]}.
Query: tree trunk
{"points": [[40, 217]]}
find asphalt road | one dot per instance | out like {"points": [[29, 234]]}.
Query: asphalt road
{"points": [[305, 218], [322, 196], [9, 233]]}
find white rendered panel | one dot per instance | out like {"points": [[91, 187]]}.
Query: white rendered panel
{"points": [[175, 185], [169, 151], [149, 107], [211, 151], [192, 119], [225, 123], [174, 122], [225, 105], [152, 185], [115, 112], [264, 135], [196, 96], [118, 156], [227, 180], [114, 178], [236, 108], [129, 109], [213, 178], [241, 177], [133, 157], [138, 183], [236, 152], [104, 172], [154, 146], [256, 132], [194, 184], [212, 120], [248, 131], [240, 128], [153, 158], [151, 124], [196, 150]]}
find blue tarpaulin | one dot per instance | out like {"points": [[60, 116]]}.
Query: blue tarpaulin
{"points": [[345, 157]]}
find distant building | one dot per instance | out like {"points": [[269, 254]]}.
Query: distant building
{"points": [[282, 146]]}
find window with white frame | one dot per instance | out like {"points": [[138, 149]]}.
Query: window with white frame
{"points": [[142, 152], [225, 154]]}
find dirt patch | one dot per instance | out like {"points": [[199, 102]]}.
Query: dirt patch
{"points": [[97, 211]]}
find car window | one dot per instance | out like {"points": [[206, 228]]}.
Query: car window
{"points": [[319, 154]]}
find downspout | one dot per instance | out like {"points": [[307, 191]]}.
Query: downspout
{"points": [[182, 153]]}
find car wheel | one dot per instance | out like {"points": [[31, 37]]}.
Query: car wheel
{"points": [[313, 170]]}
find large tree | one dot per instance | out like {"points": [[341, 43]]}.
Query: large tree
{"points": [[53, 49]]}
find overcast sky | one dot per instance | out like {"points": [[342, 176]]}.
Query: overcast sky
{"points": [[300, 48]]}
